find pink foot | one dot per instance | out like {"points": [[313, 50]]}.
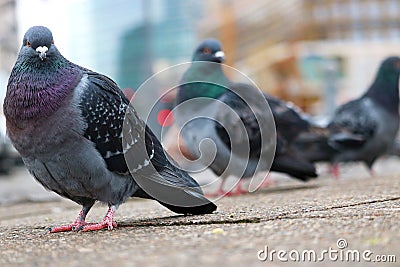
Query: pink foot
{"points": [[75, 226], [108, 222], [238, 190], [80, 225], [335, 171], [218, 193], [267, 182], [235, 193], [98, 226], [372, 173]]}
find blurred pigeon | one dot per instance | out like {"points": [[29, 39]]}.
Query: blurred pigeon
{"points": [[209, 81], [290, 122], [365, 128], [395, 149], [79, 137]]}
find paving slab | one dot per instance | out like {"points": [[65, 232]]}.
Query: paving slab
{"points": [[355, 214]]}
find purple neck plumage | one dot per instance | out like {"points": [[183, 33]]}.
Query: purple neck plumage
{"points": [[32, 96]]}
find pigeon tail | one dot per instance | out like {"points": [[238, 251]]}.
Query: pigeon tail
{"points": [[174, 189], [301, 170], [191, 195], [202, 209]]}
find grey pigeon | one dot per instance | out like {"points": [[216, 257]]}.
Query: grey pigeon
{"points": [[365, 128], [79, 137], [205, 79]]}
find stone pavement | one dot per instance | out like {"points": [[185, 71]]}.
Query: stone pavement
{"points": [[360, 211]]}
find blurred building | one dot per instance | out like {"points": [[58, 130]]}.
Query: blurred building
{"points": [[314, 53], [9, 44], [306, 51], [123, 39]]}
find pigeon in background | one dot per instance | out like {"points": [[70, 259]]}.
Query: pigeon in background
{"points": [[290, 122], [79, 137], [365, 128], [394, 150], [216, 85]]}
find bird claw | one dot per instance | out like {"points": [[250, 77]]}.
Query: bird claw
{"points": [[80, 225], [99, 226], [236, 193], [58, 229], [222, 193], [83, 227], [75, 227]]}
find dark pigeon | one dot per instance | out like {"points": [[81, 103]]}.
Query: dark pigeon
{"points": [[290, 122], [210, 81], [365, 128], [79, 137]]}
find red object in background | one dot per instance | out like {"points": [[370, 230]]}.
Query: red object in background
{"points": [[129, 93], [165, 117]]}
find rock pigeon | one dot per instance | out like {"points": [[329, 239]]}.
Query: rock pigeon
{"points": [[365, 128], [79, 137], [290, 123], [205, 79]]}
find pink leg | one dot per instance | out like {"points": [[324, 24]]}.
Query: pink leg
{"points": [[220, 191], [371, 172], [334, 170], [108, 222], [238, 190], [267, 182], [76, 225]]}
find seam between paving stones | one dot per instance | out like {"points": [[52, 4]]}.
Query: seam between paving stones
{"points": [[257, 219], [298, 214]]}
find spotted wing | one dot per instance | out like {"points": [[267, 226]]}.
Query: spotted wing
{"points": [[103, 108]]}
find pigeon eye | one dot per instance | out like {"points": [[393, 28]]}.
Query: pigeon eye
{"points": [[28, 44], [52, 42], [207, 50]]}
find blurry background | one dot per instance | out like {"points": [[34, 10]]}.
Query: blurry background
{"points": [[317, 54], [314, 53]]}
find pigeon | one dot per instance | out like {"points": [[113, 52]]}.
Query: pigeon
{"points": [[208, 81], [291, 122], [79, 136], [364, 128], [394, 150]]}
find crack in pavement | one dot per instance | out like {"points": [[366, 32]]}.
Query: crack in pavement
{"points": [[294, 215], [281, 216], [171, 220], [298, 214], [186, 223]]}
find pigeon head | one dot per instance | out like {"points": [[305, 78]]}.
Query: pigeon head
{"points": [[385, 88], [390, 65], [209, 50], [38, 43], [388, 74], [40, 79]]}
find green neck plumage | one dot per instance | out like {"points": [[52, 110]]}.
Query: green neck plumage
{"points": [[203, 80]]}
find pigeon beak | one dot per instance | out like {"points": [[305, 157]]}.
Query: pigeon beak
{"points": [[42, 52], [220, 55]]}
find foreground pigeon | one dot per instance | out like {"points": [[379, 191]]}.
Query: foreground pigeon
{"points": [[206, 79], [365, 128], [79, 137]]}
